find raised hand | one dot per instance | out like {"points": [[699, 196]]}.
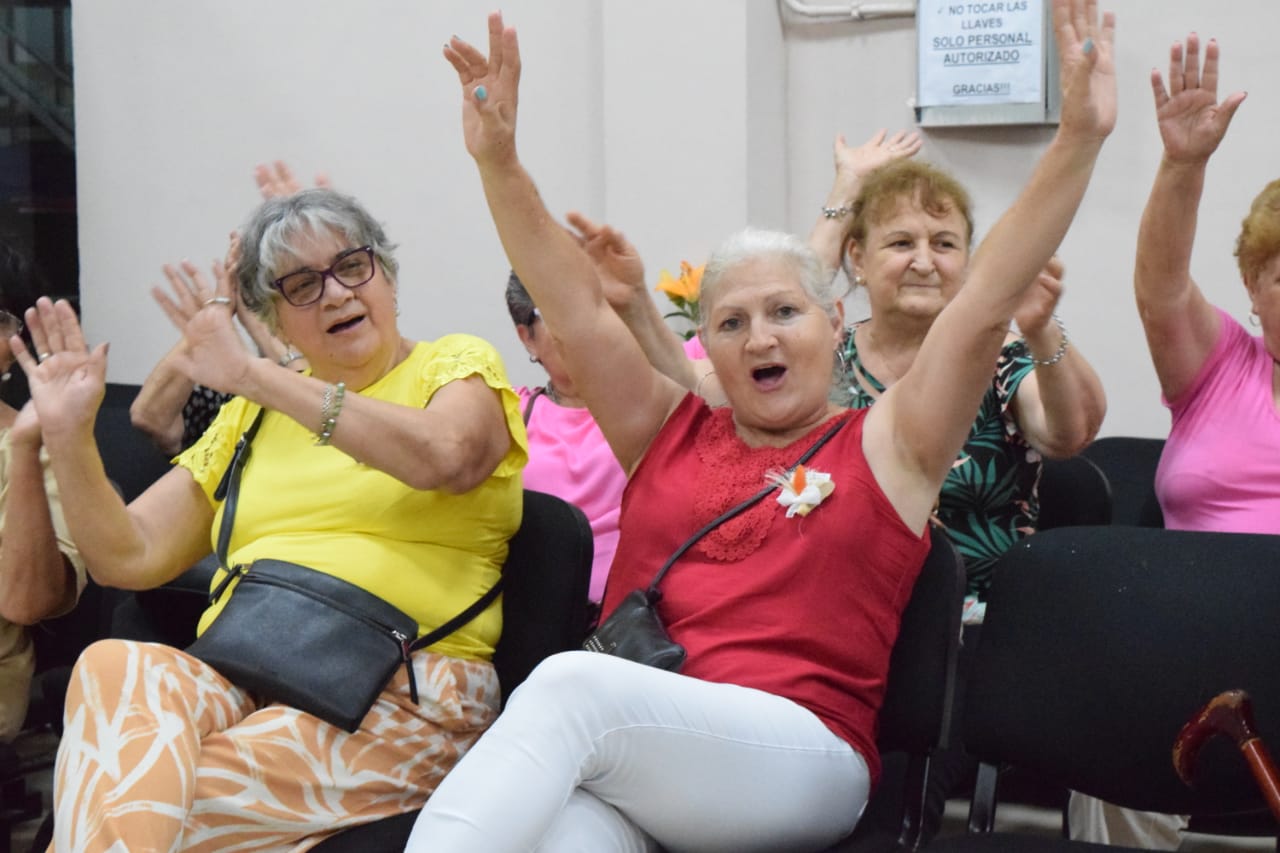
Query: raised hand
{"points": [[276, 179], [214, 354], [67, 380], [1086, 63], [854, 164], [1040, 300], [1192, 121], [618, 264], [490, 88]]}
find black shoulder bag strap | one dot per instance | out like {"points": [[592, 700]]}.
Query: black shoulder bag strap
{"points": [[533, 398], [652, 593], [229, 488]]}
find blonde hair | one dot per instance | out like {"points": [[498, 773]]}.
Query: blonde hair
{"points": [[1259, 239], [936, 191]]}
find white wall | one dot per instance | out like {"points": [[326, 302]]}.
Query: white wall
{"points": [[676, 121], [854, 78]]}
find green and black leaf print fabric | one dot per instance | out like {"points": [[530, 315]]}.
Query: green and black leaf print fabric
{"points": [[989, 499]]}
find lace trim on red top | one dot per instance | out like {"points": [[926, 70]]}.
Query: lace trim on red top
{"points": [[730, 473]]}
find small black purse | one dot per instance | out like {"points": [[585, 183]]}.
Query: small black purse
{"points": [[308, 639], [634, 629]]}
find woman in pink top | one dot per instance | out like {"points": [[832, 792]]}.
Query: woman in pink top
{"points": [[1220, 469], [1221, 464], [568, 456]]}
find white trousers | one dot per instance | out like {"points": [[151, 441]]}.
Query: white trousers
{"points": [[598, 754]]}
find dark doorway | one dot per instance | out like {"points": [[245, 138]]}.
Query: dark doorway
{"points": [[37, 141]]}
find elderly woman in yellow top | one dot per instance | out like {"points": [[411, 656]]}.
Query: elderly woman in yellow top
{"points": [[392, 464]]}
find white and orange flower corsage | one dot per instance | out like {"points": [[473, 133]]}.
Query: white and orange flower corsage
{"points": [[802, 490]]}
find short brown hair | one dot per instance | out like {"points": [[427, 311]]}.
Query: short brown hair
{"points": [[887, 187], [1259, 239]]}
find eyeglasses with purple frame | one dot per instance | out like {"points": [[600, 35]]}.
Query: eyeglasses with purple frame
{"points": [[351, 269]]}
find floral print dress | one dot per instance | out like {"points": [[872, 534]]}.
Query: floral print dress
{"points": [[989, 500]]}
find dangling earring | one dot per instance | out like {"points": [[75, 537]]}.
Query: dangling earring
{"points": [[1254, 320]]}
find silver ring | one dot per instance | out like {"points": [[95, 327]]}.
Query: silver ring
{"points": [[41, 356], [216, 300]]}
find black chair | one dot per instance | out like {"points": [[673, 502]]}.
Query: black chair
{"points": [[1073, 492], [168, 613], [916, 715], [1099, 644], [131, 459], [544, 611], [1129, 464]]}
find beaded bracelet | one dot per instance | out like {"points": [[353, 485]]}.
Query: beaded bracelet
{"points": [[332, 407], [1062, 347], [837, 212]]}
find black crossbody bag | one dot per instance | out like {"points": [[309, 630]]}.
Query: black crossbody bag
{"points": [[295, 635], [634, 630]]}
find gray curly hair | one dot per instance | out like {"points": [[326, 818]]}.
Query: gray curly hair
{"points": [[268, 237]]}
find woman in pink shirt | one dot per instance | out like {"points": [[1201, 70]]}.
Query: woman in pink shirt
{"points": [[1221, 464], [1220, 469], [568, 456]]}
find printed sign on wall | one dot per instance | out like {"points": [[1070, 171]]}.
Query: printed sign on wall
{"points": [[980, 52]]}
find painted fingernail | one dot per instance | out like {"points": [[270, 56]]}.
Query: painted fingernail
{"points": [[481, 93], [1088, 46]]}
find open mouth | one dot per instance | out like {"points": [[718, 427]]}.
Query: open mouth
{"points": [[344, 325], [769, 376]]}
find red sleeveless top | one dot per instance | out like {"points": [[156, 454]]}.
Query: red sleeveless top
{"points": [[805, 607]]}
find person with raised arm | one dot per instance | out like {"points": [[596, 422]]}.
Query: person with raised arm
{"points": [[1220, 468], [169, 407], [765, 738], [41, 570], [389, 470]]}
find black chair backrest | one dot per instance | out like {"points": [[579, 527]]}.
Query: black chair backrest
{"points": [[916, 712], [1130, 464], [131, 459], [1101, 642], [544, 595], [1073, 492], [915, 717]]}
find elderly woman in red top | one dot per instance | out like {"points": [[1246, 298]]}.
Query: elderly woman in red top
{"points": [[765, 740]]}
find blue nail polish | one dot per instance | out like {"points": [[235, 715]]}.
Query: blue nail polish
{"points": [[481, 93], [1088, 46]]}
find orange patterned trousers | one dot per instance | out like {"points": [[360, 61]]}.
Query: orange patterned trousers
{"points": [[161, 753]]}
